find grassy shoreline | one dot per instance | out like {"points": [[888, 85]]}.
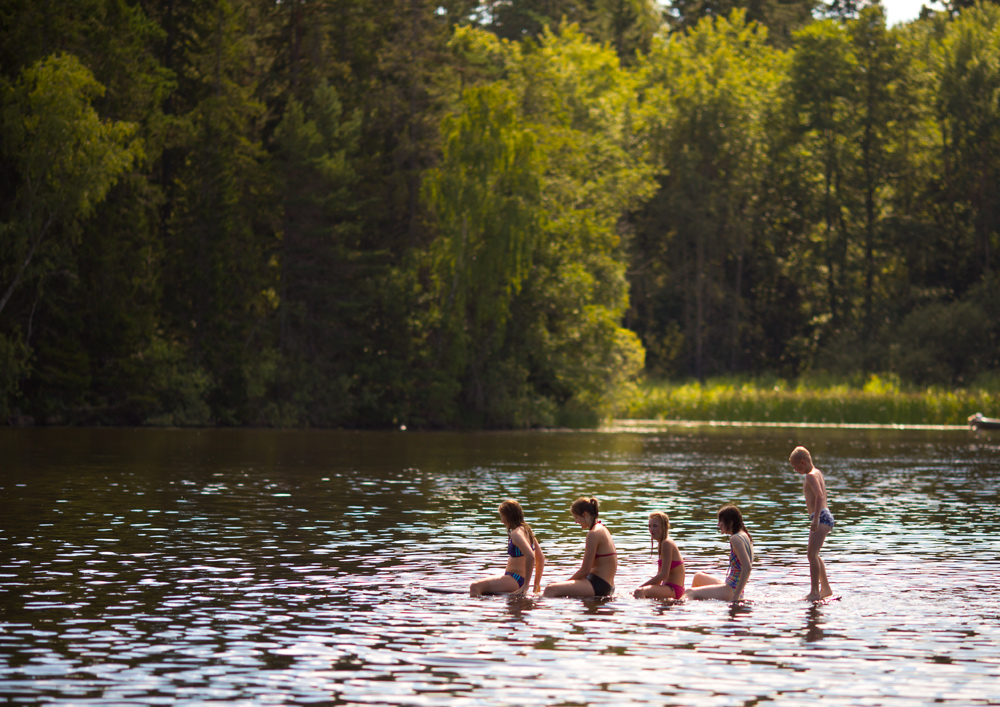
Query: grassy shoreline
{"points": [[881, 401]]}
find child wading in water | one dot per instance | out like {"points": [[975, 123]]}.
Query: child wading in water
{"points": [[820, 520], [524, 556], [596, 576], [668, 582]]}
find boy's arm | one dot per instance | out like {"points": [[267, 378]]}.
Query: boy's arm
{"points": [[812, 494]]}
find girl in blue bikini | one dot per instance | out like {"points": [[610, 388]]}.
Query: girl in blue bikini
{"points": [[668, 582], [596, 576], [705, 586], [524, 556]]}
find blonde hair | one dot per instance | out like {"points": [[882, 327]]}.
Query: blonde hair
{"points": [[801, 453], [655, 543]]}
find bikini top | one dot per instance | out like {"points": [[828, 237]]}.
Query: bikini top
{"points": [[606, 554], [673, 563], [513, 550]]}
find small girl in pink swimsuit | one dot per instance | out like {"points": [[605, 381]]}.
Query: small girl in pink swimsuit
{"points": [[668, 582]]}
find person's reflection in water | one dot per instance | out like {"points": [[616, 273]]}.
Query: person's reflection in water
{"points": [[814, 621], [599, 605], [518, 605], [661, 608], [740, 608]]}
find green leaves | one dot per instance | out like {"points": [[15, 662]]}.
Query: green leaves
{"points": [[966, 66], [458, 213], [65, 156], [485, 195], [708, 97]]}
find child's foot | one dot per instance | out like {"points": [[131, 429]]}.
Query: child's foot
{"points": [[813, 596]]}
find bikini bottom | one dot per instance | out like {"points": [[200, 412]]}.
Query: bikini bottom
{"points": [[678, 589], [601, 588], [517, 578]]}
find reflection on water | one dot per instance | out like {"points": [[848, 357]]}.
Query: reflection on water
{"points": [[157, 567]]}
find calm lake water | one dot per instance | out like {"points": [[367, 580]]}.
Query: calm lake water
{"points": [[287, 567]]}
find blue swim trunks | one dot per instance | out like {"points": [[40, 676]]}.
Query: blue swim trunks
{"points": [[825, 517]]}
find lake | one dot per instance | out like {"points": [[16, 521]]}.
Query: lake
{"points": [[288, 567]]}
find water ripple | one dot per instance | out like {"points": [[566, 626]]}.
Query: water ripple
{"points": [[166, 567]]}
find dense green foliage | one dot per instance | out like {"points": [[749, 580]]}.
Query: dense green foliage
{"points": [[817, 401], [463, 213], [856, 229]]}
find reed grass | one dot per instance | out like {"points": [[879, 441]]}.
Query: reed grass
{"points": [[877, 400]]}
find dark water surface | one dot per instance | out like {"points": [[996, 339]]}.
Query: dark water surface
{"points": [[287, 567]]}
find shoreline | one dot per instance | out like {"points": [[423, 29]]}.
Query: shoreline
{"points": [[650, 425]]}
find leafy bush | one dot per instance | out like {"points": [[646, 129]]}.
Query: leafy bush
{"points": [[175, 387], [13, 367], [944, 343]]}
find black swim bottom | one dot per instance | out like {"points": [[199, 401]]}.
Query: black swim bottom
{"points": [[601, 588]]}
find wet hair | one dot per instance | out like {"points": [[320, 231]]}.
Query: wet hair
{"points": [[512, 516], [585, 505], [655, 543], [800, 453], [732, 520]]}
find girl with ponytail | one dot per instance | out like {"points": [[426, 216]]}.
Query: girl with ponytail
{"points": [[596, 576]]}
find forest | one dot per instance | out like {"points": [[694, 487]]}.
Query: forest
{"points": [[485, 214]]}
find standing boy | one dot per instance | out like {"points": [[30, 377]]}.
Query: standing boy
{"points": [[820, 520]]}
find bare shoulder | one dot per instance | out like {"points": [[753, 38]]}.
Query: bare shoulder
{"points": [[603, 538]]}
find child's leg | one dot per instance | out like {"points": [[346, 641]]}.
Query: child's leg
{"points": [[710, 591], [504, 584], [702, 579], [572, 588], [819, 587], [824, 584], [655, 591]]}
